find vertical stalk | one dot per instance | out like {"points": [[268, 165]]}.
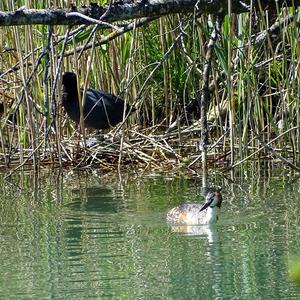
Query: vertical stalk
{"points": [[165, 68], [86, 83], [152, 108], [205, 99], [32, 136], [128, 69], [45, 92], [56, 121], [81, 99], [230, 90]]}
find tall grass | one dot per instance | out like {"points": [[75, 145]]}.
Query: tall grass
{"points": [[254, 78]]}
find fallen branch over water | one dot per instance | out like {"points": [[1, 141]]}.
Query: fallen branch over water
{"points": [[126, 10]]}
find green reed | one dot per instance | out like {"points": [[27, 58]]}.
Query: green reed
{"points": [[253, 79]]}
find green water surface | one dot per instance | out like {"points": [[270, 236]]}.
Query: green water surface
{"points": [[75, 237]]}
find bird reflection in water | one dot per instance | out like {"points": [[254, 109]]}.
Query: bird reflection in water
{"points": [[208, 231]]}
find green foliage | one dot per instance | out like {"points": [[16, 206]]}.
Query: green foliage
{"points": [[247, 72], [294, 269]]}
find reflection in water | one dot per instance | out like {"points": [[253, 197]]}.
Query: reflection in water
{"points": [[209, 257], [97, 199], [83, 239], [94, 234], [209, 231]]}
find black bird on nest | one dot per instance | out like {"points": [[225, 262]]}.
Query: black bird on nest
{"points": [[1, 108], [101, 110]]}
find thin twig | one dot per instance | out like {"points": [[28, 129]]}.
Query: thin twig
{"points": [[77, 14]]}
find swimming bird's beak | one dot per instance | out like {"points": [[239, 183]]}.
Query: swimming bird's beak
{"points": [[207, 203], [209, 200]]}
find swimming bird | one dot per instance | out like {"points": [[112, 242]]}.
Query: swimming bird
{"points": [[101, 110], [196, 214]]}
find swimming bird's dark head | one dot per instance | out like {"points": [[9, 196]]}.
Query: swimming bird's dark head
{"points": [[213, 199]]}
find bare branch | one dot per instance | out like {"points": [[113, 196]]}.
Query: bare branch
{"points": [[124, 10]]}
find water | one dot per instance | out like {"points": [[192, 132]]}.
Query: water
{"points": [[90, 237]]}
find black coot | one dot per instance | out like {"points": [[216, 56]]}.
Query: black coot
{"points": [[101, 110], [1, 108]]}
